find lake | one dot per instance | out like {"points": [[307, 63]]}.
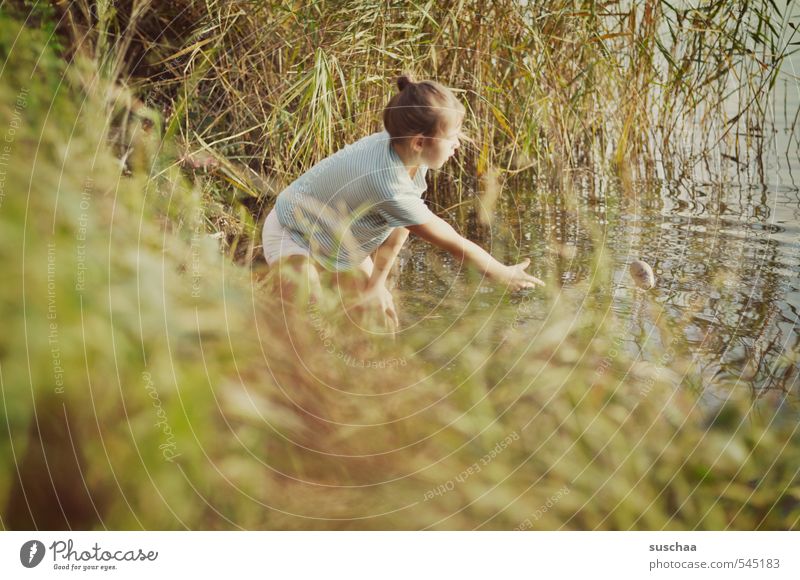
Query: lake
{"points": [[724, 243]]}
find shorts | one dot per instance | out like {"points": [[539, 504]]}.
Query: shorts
{"points": [[277, 241]]}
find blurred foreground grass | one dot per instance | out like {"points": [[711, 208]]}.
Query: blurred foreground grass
{"points": [[147, 382]]}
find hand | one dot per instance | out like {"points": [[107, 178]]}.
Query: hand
{"points": [[380, 297], [516, 278]]}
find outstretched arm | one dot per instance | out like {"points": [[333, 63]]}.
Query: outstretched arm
{"points": [[441, 234], [375, 290], [384, 257]]}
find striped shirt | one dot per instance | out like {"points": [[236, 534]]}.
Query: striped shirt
{"points": [[346, 205]]}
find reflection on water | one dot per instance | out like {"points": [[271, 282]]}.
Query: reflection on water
{"points": [[726, 253]]}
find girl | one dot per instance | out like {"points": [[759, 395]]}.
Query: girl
{"points": [[365, 199]]}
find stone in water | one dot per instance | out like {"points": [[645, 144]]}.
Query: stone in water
{"points": [[642, 274]]}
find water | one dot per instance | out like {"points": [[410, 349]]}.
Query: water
{"points": [[725, 250]]}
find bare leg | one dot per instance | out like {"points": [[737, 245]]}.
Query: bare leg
{"points": [[297, 279], [351, 286]]}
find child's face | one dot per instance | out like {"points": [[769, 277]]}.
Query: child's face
{"points": [[437, 150]]}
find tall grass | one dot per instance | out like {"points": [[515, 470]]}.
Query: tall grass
{"points": [[644, 89], [280, 85], [149, 383]]}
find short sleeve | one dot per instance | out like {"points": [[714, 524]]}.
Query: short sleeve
{"points": [[404, 210]]}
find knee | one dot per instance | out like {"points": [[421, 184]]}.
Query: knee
{"points": [[297, 273]]}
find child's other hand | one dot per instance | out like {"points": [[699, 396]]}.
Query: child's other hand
{"points": [[516, 278], [378, 296]]}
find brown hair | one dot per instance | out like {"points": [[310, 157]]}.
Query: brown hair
{"points": [[419, 108]]}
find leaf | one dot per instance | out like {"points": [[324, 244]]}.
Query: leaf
{"points": [[501, 119], [186, 50]]}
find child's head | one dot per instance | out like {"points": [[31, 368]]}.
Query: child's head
{"points": [[426, 118]]}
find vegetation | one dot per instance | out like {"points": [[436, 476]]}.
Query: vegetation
{"points": [[150, 380]]}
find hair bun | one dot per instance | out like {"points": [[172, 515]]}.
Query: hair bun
{"points": [[404, 80]]}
